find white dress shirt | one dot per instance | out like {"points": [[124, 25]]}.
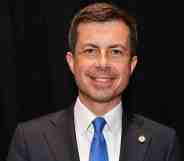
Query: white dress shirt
{"points": [[83, 118]]}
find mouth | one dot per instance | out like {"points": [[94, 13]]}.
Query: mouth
{"points": [[102, 81]]}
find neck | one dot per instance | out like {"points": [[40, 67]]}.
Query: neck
{"points": [[97, 107]]}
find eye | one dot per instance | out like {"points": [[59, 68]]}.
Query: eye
{"points": [[116, 52], [90, 51]]}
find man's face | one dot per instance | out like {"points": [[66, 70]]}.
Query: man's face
{"points": [[102, 62]]}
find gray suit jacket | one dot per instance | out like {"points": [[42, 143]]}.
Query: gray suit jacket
{"points": [[52, 138]]}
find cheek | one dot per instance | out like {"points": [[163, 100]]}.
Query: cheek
{"points": [[82, 65], [124, 71], [79, 69]]}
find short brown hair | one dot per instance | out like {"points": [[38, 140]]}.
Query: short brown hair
{"points": [[102, 12]]}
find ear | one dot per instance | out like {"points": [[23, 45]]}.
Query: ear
{"points": [[133, 62], [70, 61]]}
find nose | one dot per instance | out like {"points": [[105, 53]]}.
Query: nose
{"points": [[102, 59]]}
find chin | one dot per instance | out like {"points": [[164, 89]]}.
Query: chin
{"points": [[102, 98]]}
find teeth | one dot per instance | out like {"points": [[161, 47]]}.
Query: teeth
{"points": [[102, 79]]}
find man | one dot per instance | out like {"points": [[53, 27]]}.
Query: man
{"points": [[97, 127]]}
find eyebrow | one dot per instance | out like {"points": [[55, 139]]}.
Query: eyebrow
{"points": [[111, 46], [118, 45], [91, 45]]}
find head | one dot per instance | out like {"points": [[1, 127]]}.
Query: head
{"points": [[102, 12], [102, 57]]}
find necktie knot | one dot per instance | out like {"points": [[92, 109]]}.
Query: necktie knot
{"points": [[99, 124]]}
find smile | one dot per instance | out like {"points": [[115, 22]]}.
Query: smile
{"points": [[102, 81]]}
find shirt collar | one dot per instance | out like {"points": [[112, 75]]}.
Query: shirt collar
{"points": [[114, 119], [83, 118]]}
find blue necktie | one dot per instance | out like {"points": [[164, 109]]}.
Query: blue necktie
{"points": [[98, 151]]}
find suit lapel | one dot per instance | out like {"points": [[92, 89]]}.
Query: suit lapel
{"points": [[61, 137], [135, 143]]}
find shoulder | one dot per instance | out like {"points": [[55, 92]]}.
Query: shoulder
{"points": [[153, 127], [44, 123], [161, 137], [31, 136]]}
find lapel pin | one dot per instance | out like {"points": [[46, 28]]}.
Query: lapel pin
{"points": [[142, 139]]}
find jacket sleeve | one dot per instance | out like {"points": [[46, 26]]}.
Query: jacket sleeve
{"points": [[17, 151]]}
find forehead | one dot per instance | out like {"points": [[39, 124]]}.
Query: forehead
{"points": [[103, 32]]}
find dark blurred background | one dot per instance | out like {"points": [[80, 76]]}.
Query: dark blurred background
{"points": [[35, 80]]}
